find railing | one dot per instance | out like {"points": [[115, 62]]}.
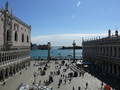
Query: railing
{"points": [[102, 56], [55, 57]]}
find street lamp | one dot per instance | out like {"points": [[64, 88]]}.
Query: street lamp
{"points": [[35, 75], [48, 51], [74, 50]]}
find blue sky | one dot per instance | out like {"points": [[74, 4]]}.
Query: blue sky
{"points": [[62, 21]]}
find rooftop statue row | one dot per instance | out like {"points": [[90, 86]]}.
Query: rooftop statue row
{"points": [[108, 38]]}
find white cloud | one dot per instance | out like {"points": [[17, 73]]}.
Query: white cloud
{"points": [[78, 4], [64, 39]]}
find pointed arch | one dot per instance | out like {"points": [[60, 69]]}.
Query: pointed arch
{"points": [[8, 35], [22, 37], [16, 36]]}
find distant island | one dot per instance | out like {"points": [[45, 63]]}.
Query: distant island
{"points": [[69, 47]]}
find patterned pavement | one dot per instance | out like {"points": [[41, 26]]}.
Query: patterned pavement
{"points": [[92, 78]]}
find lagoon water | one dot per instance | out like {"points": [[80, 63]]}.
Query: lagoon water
{"points": [[56, 53]]}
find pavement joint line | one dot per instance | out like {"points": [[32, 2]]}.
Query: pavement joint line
{"points": [[29, 80]]}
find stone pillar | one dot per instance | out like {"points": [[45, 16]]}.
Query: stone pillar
{"points": [[102, 50], [109, 51], [0, 57], [3, 73], [74, 51], [113, 52], [105, 66], [105, 51], [109, 67], [102, 66], [15, 69], [11, 70], [96, 50], [99, 50], [117, 70], [113, 68], [8, 71], [117, 52]]}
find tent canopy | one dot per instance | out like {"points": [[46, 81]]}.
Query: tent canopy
{"points": [[84, 62]]}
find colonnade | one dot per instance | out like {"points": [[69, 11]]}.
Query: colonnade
{"points": [[104, 53], [12, 60], [112, 51], [11, 69], [7, 56]]}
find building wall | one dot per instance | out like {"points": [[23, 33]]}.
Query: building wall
{"points": [[1, 29], [14, 44], [21, 29], [104, 53]]}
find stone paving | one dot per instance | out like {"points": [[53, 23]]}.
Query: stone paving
{"points": [[26, 77]]}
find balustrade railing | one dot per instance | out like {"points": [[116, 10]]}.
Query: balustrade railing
{"points": [[56, 57]]}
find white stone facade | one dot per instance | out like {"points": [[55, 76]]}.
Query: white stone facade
{"points": [[14, 44], [104, 53]]}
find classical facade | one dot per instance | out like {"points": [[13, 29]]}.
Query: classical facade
{"points": [[14, 44], [104, 53]]}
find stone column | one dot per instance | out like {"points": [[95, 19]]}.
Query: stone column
{"points": [[113, 69], [96, 50], [0, 57], [102, 50], [15, 69], [117, 70], [8, 71], [99, 50], [102, 66], [109, 67], [3, 73], [11, 70], [105, 51], [113, 52], [109, 51], [105, 66], [118, 52]]}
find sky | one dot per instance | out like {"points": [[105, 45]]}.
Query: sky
{"points": [[63, 21]]}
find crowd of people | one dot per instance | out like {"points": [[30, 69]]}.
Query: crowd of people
{"points": [[60, 70]]}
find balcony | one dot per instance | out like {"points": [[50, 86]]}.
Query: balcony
{"points": [[9, 43]]}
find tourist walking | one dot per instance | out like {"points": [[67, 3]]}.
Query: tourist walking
{"points": [[61, 75], [69, 80], [73, 88], [79, 88], [86, 85], [65, 81]]}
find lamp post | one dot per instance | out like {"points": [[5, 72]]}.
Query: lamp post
{"points": [[48, 51], [74, 50], [35, 80]]}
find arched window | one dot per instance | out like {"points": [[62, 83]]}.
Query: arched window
{"points": [[16, 36], [22, 37], [8, 35], [27, 39]]}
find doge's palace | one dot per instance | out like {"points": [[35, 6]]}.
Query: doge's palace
{"points": [[14, 44]]}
